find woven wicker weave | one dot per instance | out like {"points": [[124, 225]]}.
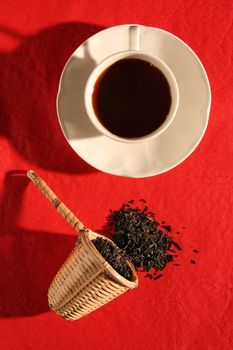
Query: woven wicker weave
{"points": [[86, 280]]}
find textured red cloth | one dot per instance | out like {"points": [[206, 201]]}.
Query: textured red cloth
{"points": [[191, 307]]}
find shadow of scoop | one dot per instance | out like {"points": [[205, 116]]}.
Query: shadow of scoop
{"points": [[29, 78], [29, 259]]}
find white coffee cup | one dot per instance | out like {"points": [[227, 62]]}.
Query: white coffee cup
{"points": [[133, 52]]}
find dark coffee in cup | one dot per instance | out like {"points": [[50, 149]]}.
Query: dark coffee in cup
{"points": [[131, 98]]}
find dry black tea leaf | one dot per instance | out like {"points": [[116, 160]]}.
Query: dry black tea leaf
{"points": [[142, 239], [195, 251], [167, 228], [114, 256], [158, 276], [177, 246]]}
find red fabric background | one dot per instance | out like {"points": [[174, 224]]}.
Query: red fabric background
{"points": [[191, 307]]}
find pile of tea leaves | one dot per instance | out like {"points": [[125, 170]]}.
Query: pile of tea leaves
{"points": [[114, 256], [135, 231]]}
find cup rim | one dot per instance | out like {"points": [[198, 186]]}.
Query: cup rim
{"points": [[106, 63]]}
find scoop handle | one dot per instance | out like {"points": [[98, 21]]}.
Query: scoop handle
{"points": [[56, 202]]}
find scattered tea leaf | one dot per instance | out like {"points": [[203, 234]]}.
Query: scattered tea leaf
{"points": [[167, 228], [177, 245], [158, 276], [195, 251]]}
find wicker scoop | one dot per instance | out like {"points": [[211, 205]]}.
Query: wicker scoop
{"points": [[86, 281]]}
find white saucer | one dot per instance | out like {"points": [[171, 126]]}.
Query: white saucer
{"points": [[140, 159]]}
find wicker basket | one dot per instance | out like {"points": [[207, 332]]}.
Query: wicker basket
{"points": [[86, 281]]}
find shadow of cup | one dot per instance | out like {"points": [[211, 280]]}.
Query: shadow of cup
{"points": [[29, 78]]}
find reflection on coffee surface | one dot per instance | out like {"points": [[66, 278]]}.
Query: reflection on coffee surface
{"points": [[131, 98]]}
